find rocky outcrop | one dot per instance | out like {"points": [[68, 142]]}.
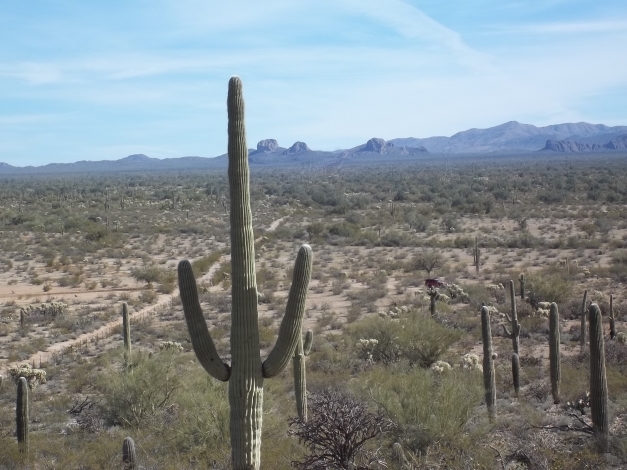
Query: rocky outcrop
{"points": [[296, 148], [617, 144], [567, 146], [267, 145], [376, 145]]}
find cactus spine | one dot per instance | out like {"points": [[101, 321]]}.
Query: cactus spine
{"points": [[515, 333], [612, 319], [21, 414], [129, 454], [554, 352], [598, 379], [126, 330], [582, 336], [516, 373], [488, 364], [521, 279], [300, 383], [246, 374]]}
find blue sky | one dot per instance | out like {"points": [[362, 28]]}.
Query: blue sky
{"points": [[83, 80]]}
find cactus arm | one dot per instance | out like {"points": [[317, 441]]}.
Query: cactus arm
{"points": [[201, 339], [554, 352], [506, 332], [290, 331], [598, 378], [582, 335], [308, 343], [21, 414]]}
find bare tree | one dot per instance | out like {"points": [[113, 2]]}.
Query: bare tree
{"points": [[337, 432]]}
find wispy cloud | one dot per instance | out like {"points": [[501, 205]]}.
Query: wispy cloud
{"points": [[575, 27]]}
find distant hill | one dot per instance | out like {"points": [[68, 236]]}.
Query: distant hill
{"points": [[509, 138], [515, 137]]}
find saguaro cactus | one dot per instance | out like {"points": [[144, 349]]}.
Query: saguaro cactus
{"points": [[554, 352], [516, 373], [21, 414], [598, 379], [488, 363], [300, 382], [246, 373], [582, 336], [126, 331], [521, 279], [612, 319], [433, 296], [129, 454], [477, 255], [515, 333]]}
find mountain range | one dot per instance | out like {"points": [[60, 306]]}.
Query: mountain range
{"points": [[509, 138]]}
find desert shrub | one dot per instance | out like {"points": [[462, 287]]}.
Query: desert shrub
{"points": [[548, 287], [420, 340], [426, 408]]}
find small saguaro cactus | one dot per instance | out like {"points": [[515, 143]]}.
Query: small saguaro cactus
{"points": [[516, 373], [612, 318], [246, 372], [584, 312], [521, 279], [554, 352], [598, 379], [477, 255], [129, 454], [21, 414], [300, 381], [488, 363], [126, 331], [433, 296], [515, 333]]}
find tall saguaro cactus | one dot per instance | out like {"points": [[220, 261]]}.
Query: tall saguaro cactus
{"points": [[126, 331], [300, 381], [554, 352], [246, 373], [598, 379], [477, 255], [584, 311], [21, 414], [488, 363], [515, 333]]}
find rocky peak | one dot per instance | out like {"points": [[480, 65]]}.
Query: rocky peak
{"points": [[267, 145], [377, 145], [296, 148]]}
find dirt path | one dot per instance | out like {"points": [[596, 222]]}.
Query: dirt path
{"points": [[163, 301]]}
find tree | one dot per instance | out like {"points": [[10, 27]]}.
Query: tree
{"points": [[427, 261], [337, 432]]}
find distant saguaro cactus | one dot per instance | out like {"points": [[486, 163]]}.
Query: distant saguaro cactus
{"points": [[126, 331], [598, 378], [515, 333], [477, 255], [21, 414], [433, 296], [300, 381], [129, 454], [246, 373], [554, 352], [612, 318], [584, 311], [488, 363], [521, 279]]}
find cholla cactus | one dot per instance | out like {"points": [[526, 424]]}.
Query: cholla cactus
{"points": [[367, 346], [471, 362], [170, 346], [46, 309], [439, 367], [32, 376]]}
